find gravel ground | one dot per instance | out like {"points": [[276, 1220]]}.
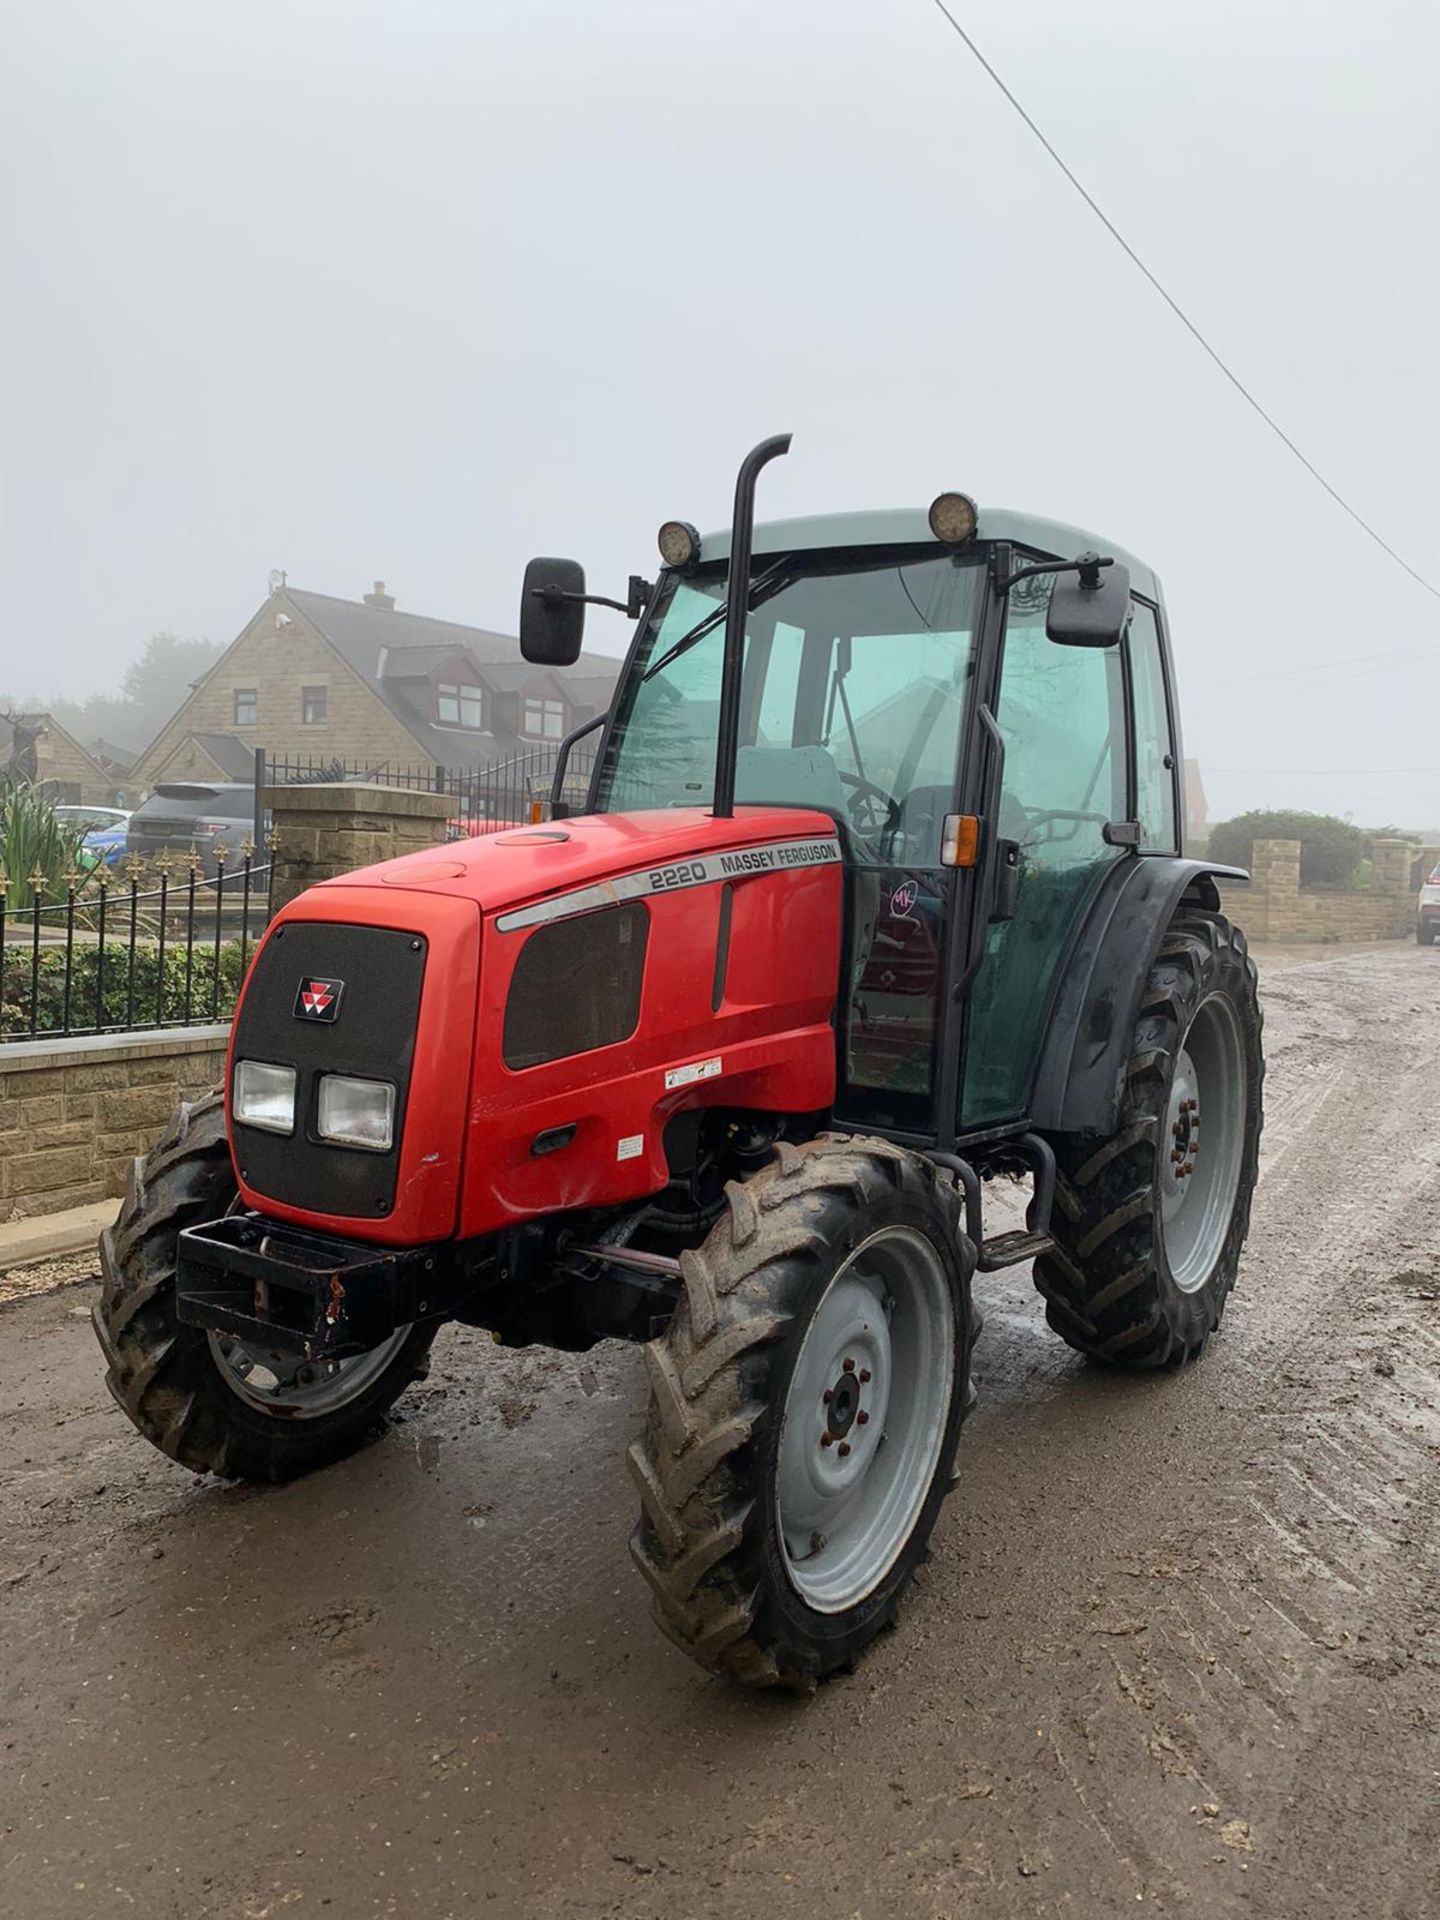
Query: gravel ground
{"points": [[1175, 1647]]}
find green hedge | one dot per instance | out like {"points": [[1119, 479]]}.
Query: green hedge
{"points": [[116, 1005], [1330, 849]]}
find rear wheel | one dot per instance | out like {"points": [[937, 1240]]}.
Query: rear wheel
{"points": [[805, 1408], [214, 1403], [1149, 1224], [1425, 932]]}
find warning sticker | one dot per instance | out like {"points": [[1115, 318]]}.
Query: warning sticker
{"points": [[687, 1076], [631, 1147]]}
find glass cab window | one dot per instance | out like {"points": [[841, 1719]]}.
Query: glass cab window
{"points": [[855, 683], [1154, 744], [857, 678], [1061, 713]]}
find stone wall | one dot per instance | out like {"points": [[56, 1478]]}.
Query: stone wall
{"points": [[1274, 907], [321, 832], [74, 1113]]}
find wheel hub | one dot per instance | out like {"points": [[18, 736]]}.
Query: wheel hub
{"points": [[1197, 1187], [289, 1387], [843, 1402], [864, 1419]]}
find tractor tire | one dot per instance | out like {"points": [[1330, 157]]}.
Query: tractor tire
{"points": [[1145, 1254], [179, 1385], [832, 1297]]}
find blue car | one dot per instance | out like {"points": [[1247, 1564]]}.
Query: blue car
{"points": [[104, 841]]}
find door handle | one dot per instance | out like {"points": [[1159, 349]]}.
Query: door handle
{"points": [[1007, 880]]}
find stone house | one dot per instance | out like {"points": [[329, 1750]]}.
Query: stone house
{"points": [[35, 747], [314, 678]]}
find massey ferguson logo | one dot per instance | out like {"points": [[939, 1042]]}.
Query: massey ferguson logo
{"points": [[319, 1000]]}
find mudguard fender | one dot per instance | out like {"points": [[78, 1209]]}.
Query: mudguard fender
{"points": [[1080, 1077]]}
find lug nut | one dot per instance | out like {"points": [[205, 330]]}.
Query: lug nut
{"points": [[843, 1448], [864, 1376], [862, 1419], [827, 1396], [848, 1364], [827, 1439]]}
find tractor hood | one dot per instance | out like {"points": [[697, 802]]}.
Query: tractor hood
{"points": [[523, 865]]}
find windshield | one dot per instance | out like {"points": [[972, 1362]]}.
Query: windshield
{"points": [[854, 687]]}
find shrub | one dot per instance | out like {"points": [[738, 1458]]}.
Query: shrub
{"points": [[33, 840], [1330, 849], [117, 1006]]}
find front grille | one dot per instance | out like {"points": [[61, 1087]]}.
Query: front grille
{"points": [[372, 1037]]}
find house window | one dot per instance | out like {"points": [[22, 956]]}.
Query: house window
{"points": [[545, 719], [312, 706], [247, 706], [457, 706]]}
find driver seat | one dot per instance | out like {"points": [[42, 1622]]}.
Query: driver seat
{"points": [[789, 777]]}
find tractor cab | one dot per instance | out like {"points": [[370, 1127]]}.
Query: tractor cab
{"points": [[986, 756]]}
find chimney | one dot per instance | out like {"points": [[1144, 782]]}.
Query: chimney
{"points": [[379, 598]]}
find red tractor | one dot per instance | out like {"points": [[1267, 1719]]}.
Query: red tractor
{"points": [[880, 892]]}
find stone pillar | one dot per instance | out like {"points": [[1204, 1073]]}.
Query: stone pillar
{"points": [[1390, 865], [321, 832], [1275, 885]]}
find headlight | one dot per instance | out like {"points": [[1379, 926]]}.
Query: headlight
{"points": [[356, 1113], [264, 1096]]}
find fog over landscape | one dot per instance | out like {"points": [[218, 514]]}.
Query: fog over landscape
{"points": [[361, 292]]}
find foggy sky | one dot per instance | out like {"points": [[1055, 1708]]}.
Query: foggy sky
{"points": [[413, 291]]}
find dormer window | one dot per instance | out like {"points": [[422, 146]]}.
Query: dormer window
{"points": [[544, 719], [457, 705]]}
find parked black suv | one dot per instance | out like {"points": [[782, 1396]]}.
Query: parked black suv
{"points": [[194, 813]]}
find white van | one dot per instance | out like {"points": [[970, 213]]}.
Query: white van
{"points": [[1427, 913]]}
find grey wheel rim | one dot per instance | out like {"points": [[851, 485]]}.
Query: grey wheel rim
{"points": [[864, 1419], [1203, 1144], [288, 1387]]}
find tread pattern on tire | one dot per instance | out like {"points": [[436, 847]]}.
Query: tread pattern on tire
{"points": [[1105, 1288], [160, 1372], [741, 1291]]}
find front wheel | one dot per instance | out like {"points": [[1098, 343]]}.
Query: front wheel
{"points": [[209, 1401], [1149, 1224], [805, 1408], [1425, 933]]}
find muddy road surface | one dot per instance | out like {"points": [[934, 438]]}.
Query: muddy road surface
{"points": [[1177, 1646]]}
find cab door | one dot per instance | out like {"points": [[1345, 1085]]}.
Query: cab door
{"points": [[1061, 712]]}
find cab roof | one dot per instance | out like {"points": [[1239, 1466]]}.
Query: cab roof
{"points": [[909, 526]]}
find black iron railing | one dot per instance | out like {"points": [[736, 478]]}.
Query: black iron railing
{"points": [[487, 799], [163, 945]]}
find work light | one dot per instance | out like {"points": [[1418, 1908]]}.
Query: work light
{"points": [[952, 518], [356, 1113], [679, 544], [264, 1096]]}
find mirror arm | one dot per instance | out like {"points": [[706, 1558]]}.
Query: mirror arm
{"points": [[1087, 566], [640, 592]]}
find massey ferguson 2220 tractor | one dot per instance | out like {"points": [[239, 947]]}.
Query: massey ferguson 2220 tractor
{"points": [[879, 892]]}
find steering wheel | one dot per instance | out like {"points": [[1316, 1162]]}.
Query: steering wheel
{"points": [[872, 810]]}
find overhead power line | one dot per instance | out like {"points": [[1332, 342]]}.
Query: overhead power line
{"points": [[1185, 320], [1328, 773]]}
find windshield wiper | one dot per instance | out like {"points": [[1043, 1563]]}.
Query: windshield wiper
{"points": [[768, 584]]}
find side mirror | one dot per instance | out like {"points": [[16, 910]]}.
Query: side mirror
{"points": [[552, 612], [1089, 608]]}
